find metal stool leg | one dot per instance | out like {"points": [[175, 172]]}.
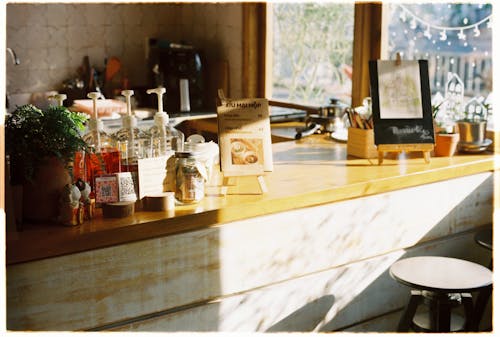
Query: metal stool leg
{"points": [[469, 311], [481, 302], [440, 313], [405, 321]]}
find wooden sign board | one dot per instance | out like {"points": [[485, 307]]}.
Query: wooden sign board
{"points": [[401, 105]]}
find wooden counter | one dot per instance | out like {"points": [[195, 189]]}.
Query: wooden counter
{"points": [[312, 171], [312, 254]]}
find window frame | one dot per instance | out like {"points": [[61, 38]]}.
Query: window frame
{"points": [[257, 48]]}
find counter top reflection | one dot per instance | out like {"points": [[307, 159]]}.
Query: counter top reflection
{"points": [[312, 171]]}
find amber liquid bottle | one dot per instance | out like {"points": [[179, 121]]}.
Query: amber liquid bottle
{"points": [[104, 158]]}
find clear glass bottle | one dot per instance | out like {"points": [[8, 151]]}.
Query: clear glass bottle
{"points": [[190, 177], [104, 158], [166, 139], [132, 142]]}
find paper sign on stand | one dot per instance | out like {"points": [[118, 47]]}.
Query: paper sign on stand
{"points": [[152, 173], [244, 138]]}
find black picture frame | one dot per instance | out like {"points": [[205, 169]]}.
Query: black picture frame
{"points": [[402, 130]]}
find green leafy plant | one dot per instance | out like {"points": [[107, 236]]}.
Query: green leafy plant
{"points": [[32, 135]]}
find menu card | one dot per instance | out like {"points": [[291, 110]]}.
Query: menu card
{"points": [[244, 136]]}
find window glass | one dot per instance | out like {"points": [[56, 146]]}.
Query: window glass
{"points": [[312, 52], [455, 38]]}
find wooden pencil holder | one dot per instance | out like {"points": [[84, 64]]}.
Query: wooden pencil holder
{"points": [[361, 143]]}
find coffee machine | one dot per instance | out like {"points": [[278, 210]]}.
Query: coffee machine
{"points": [[179, 68]]}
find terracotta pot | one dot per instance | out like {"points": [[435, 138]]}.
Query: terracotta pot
{"points": [[41, 196], [446, 144]]}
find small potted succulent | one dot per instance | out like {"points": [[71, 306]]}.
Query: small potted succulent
{"points": [[446, 136], [41, 145]]}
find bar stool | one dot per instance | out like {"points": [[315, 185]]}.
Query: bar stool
{"points": [[439, 284], [485, 239]]}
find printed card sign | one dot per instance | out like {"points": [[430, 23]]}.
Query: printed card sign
{"points": [[401, 102], [115, 187], [126, 187], [152, 173], [244, 136], [106, 188]]}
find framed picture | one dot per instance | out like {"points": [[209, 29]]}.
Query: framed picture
{"points": [[401, 102]]}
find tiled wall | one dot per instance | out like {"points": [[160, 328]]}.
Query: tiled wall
{"points": [[52, 39]]}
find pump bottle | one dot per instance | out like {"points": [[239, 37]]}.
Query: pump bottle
{"points": [[166, 138], [105, 158]]}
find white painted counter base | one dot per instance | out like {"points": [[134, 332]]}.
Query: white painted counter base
{"points": [[319, 268]]}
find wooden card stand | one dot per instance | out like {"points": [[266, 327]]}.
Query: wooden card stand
{"points": [[229, 181], [425, 148]]}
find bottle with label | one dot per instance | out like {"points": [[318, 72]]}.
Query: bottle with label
{"points": [[190, 177], [132, 142], [104, 158], [166, 139]]}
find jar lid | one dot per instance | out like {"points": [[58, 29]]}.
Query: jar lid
{"points": [[186, 154]]}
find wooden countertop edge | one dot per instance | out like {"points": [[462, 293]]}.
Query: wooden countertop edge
{"points": [[53, 246]]}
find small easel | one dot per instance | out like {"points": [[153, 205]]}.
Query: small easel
{"points": [[425, 148], [226, 183]]}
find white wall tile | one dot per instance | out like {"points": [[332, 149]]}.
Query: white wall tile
{"points": [[53, 38]]}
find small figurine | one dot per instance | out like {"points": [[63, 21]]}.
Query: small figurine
{"points": [[69, 204], [88, 203]]}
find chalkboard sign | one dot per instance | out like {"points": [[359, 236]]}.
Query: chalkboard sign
{"points": [[401, 102]]}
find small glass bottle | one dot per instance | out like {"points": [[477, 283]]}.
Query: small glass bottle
{"points": [[190, 177], [166, 139], [105, 158]]}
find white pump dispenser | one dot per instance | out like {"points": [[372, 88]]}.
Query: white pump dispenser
{"points": [[165, 137], [161, 117], [59, 98], [95, 124], [130, 140]]}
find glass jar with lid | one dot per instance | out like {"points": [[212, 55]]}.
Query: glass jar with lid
{"points": [[190, 177]]}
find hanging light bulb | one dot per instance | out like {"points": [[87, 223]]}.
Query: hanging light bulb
{"points": [[442, 35], [461, 35], [427, 33], [413, 24], [476, 31]]}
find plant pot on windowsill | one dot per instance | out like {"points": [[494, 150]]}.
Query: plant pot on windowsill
{"points": [[446, 144], [41, 146]]}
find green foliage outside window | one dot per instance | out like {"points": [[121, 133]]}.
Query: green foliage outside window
{"points": [[312, 51]]}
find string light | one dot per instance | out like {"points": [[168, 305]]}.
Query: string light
{"points": [[427, 33], [476, 31], [402, 16], [442, 35], [461, 35], [405, 12], [413, 24]]}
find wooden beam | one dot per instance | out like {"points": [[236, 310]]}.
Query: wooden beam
{"points": [[367, 38], [254, 49]]}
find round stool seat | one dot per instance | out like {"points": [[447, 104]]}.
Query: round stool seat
{"points": [[485, 238], [441, 274]]}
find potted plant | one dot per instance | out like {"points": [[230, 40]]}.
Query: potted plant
{"points": [[41, 145], [446, 137]]}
